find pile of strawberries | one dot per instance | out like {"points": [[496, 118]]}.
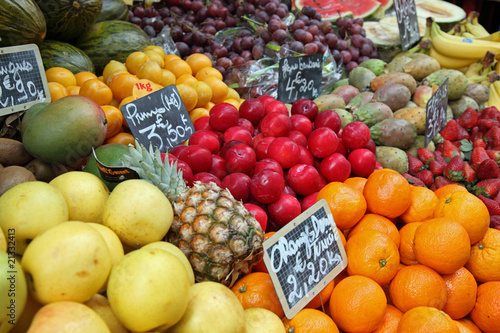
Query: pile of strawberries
{"points": [[468, 154]]}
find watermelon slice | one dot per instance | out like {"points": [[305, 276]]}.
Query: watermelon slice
{"points": [[387, 4], [330, 9]]}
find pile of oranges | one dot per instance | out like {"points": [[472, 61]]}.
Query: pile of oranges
{"points": [[418, 261], [198, 83]]}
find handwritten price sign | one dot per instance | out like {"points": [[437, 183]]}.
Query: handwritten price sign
{"points": [[436, 112], [406, 13], [304, 256], [300, 77], [159, 118]]}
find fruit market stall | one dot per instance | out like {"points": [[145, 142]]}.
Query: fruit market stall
{"points": [[248, 166]]}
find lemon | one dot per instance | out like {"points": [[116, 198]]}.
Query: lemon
{"points": [[138, 212], [85, 195], [30, 208], [262, 320]]}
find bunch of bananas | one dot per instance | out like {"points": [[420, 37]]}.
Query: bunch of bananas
{"points": [[482, 71], [494, 97], [459, 49]]}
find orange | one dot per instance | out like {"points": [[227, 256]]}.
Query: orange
{"points": [[218, 87], [73, 90], [467, 326], [188, 95], [208, 71], [57, 91], [322, 297], [417, 285], [372, 254], [260, 266], [151, 71], [422, 205], [135, 60], [114, 119], [123, 138], [466, 209], [169, 57], [256, 290], [423, 319], [387, 193], [450, 188], [461, 289], [203, 91], [96, 90], [186, 79], [484, 261], [379, 223], [111, 67], [178, 67], [197, 61], [357, 182], [442, 244], [486, 311], [342, 238], [121, 85], [391, 320], [61, 75], [346, 204], [168, 78], [358, 304], [310, 321], [407, 234], [84, 76]]}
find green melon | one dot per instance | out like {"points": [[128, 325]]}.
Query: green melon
{"points": [[21, 22], [110, 155], [332, 9], [112, 40], [69, 19], [113, 10], [61, 54]]}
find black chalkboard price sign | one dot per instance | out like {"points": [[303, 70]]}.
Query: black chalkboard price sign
{"points": [[304, 256], [159, 118], [436, 112], [406, 13], [22, 78], [300, 77]]}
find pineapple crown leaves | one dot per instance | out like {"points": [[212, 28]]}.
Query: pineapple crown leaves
{"points": [[150, 167]]}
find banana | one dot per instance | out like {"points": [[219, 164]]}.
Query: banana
{"points": [[451, 46], [476, 30], [450, 62], [494, 98], [475, 22], [494, 37]]}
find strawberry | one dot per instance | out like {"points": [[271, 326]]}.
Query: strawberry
{"points": [[478, 155], [414, 164], [492, 205], [479, 142], [433, 187], [438, 156], [425, 155], [488, 187], [468, 118], [495, 221], [455, 169], [487, 169], [462, 133], [413, 180], [450, 150], [493, 136], [485, 124], [489, 113], [475, 133], [441, 181], [437, 168], [469, 173], [426, 176], [494, 154], [449, 131]]}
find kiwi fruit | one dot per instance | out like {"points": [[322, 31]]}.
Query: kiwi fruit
{"points": [[43, 171], [12, 152], [12, 175]]}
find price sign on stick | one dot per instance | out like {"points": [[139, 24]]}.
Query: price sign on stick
{"points": [[304, 256], [300, 77], [406, 13], [22, 78], [114, 174], [159, 118], [436, 112]]}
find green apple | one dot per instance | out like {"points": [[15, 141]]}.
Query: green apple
{"points": [[100, 305], [67, 317], [68, 262], [30, 208], [13, 291]]}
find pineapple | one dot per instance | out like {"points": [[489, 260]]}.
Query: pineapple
{"points": [[221, 239]]}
